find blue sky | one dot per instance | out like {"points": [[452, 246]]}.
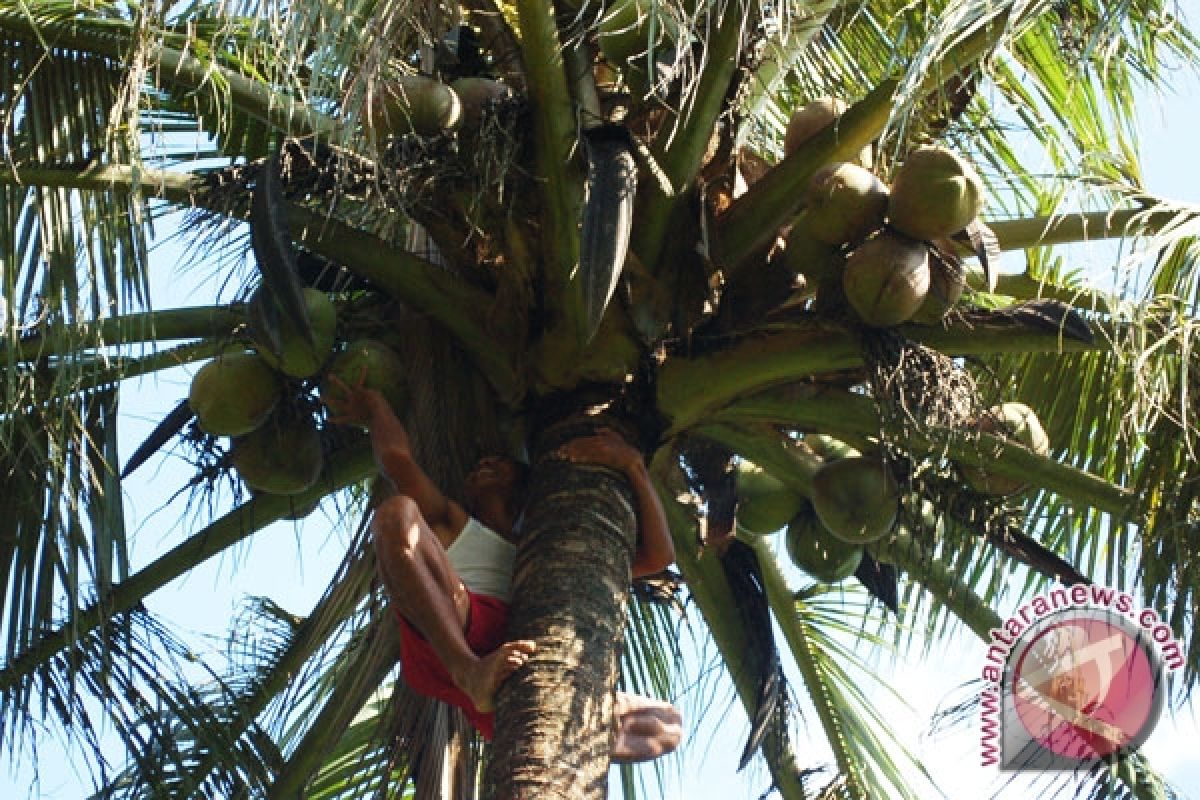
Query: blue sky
{"points": [[291, 563]]}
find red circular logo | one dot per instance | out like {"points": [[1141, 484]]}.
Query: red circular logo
{"points": [[1085, 684]]}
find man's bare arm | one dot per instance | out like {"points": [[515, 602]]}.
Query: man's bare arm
{"points": [[359, 405], [655, 549]]}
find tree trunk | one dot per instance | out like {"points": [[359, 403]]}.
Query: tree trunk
{"points": [[554, 718]]}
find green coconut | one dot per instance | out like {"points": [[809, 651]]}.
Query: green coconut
{"points": [[886, 279], [478, 97], [299, 357], [934, 194], [296, 509], [413, 104], [372, 362], [815, 550], [1016, 422], [812, 118], [947, 279], [764, 504], [845, 203], [804, 254], [856, 499], [282, 457], [234, 393]]}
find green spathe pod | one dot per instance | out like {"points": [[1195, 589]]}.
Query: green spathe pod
{"points": [[298, 356], [234, 394], [372, 362], [934, 194], [856, 499], [764, 504], [1015, 421], [886, 279], [284, 456], [815, 550]]}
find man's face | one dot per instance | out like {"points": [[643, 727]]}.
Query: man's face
{"points": [[495, 476]]}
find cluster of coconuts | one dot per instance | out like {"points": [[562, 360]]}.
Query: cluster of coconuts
{"points": [[425, 106], [873, 242], [854, 502], [275, 445]]}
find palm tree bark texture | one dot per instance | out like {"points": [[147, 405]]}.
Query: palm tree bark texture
{"points": [[554, 717]]}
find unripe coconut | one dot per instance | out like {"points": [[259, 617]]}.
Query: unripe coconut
{"points": [[372, 362], [809, 120], [478, 96], [234, 393], [815, 550], [297, 356], [764, 504], [1015, 421], [414, 104], [947, 278], [804, 254], [845, 203], [934, 194], [886, 279], [856, 499], [282, 457]]}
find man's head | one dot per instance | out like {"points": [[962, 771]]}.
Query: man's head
{"points": [[494, 489]]}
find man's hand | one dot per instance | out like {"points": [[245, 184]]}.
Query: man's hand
{"points": [[606, 448], [353, 405]]}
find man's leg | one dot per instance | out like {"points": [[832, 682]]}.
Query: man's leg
{"points": [[646, 728], [421, 581]]}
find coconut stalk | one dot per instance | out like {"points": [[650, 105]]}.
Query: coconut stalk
{"points": [[847, 415], [680, 153], [176, 68], [198, 322], [343, 469], [554, 146], [758, 362]]}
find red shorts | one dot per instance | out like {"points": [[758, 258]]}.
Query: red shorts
{"points": [[486, 621]]}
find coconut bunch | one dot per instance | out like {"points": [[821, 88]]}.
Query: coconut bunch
{"points": [[854, 501], [260, 397], [884, 249]]}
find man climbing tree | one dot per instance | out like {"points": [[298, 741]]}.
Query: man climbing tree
{"points": [[448, 570]]}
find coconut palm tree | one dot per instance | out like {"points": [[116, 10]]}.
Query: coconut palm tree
{"points": [[600, 223]]}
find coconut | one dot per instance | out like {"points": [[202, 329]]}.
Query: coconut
{"points": [[297, 356], [1019, 423], [478, 97], [886, 279], [845, 203], [282, 457], [372, 362], [809, 120], [414, 104], [856, 499], [947, 278], [803, 254], [818, 552], [764, 504], [934, 194], [234, 394]]}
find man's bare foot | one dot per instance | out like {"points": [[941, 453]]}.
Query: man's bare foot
{"points": [[481, 679]]}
